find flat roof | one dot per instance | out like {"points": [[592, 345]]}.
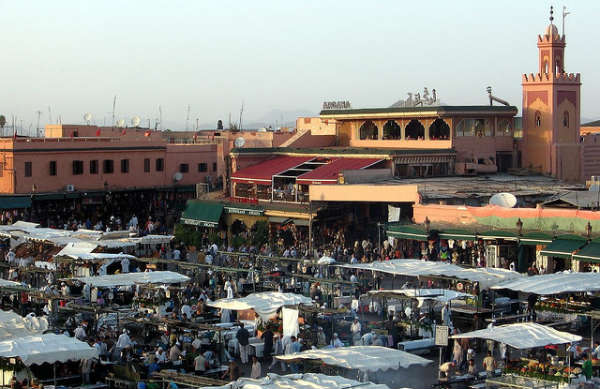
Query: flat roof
{"points": [[339, 151], [484, 186], [440, 110]]}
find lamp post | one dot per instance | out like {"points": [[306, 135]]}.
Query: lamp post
{"points": [[588, 230], [520, 226], [427, 224], [379, 240]]}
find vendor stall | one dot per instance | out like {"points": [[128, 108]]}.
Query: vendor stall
{"points": [[365, 361], [486, 277], [543, 360], [298, 381], [130, 279]]}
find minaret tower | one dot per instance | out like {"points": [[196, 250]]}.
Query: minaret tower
{"points": [[551, 111]]}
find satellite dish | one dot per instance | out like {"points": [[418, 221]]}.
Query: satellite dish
{"points": [[87, 117], [177, 176], [121, 123], [504, 200], [135, 121], [239, 142]]}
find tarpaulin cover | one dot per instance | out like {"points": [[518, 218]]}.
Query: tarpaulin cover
{"points": [[13, 325], [128, 279], [48, 348], [298, 381], [523, 335], [486, 277], [264, 303], [556, 283], [441, 295], [363, 358]]}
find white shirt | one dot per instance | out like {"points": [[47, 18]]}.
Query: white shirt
{"points": [[125, 265], [186, 310], [80, 333], [176, 254], [336, 342], [123, 341], [229, 292], [355, 328]]}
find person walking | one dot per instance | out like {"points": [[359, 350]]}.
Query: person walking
{"points": [[243, 337]]}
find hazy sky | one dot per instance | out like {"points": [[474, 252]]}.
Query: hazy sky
{"points": [[281, 54]]}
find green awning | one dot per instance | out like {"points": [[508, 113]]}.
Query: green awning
{"points": [[589, 253], [535, 238], [457, 235], [244, 209], [562, 248], [187, 188], [49, 196], [14, 202], [203, 214], [408, 232], [498, 234], [73, 195]]}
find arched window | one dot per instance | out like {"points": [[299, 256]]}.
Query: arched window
{"points": [[368, 130], [439, 130], [414, 130], [392, 131], [546, 67], [566, 119], [538, 119], [558, 69]]}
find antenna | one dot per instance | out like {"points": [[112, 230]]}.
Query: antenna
{"points": [[39, 114], [564, 15], [113, 111], [241, 113], [160, 116], [49, 115], [187, 118]]}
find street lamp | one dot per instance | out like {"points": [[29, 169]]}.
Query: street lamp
{"points": [[427, 224], [588, 230]]}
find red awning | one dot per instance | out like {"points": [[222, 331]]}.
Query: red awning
{"points": [[264, 171], [328, 174]]}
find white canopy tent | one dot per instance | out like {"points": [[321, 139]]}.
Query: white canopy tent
{"points": [[557, 283], [5, 283], [522, 335], [298, 381], [129, 279], [325, 260], [264, 303], [363, 358], [439, 295], [13, 325], [48, 348], [486, 277]]}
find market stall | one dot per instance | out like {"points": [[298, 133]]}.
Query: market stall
{"points": [[542, 359], [486, 277], [298, 381], [365, 361], [130, 279]]}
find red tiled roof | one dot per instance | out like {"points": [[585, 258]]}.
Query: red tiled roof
{"points": [[329, 173], [264, 171]]}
